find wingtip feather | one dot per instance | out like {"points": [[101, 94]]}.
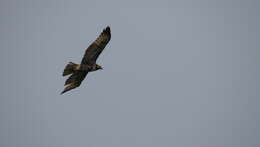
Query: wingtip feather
{"points": [[107, 30]]}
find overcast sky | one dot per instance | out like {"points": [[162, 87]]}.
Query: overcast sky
{"points": [[177, 73]]}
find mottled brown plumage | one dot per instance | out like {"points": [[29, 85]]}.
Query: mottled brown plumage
{"points": [[88, 63]]}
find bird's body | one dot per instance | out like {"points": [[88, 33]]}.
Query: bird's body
{"points": [[88, 63]]}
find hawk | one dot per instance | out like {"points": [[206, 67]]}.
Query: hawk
{"points": [[78, 72]]}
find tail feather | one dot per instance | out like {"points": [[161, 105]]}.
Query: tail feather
{"points": [[69, 69]]}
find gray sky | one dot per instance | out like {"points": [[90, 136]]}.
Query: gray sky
{"points": [[181, 73]]}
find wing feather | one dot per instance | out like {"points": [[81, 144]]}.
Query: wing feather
{"points": [[95, 49], [74, 80]]}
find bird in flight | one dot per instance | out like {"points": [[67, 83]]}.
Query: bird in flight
{"points": [[78, 72]]}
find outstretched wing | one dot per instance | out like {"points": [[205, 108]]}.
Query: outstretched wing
{"points": [[74, 80], [95, 49]]}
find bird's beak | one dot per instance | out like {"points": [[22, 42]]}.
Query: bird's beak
{"points": [[101, 68]]}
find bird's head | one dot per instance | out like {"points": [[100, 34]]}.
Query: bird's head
{"points": [[98, 67]]}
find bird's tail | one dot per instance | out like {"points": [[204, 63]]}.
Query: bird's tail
{"points": [[69, 69]]}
